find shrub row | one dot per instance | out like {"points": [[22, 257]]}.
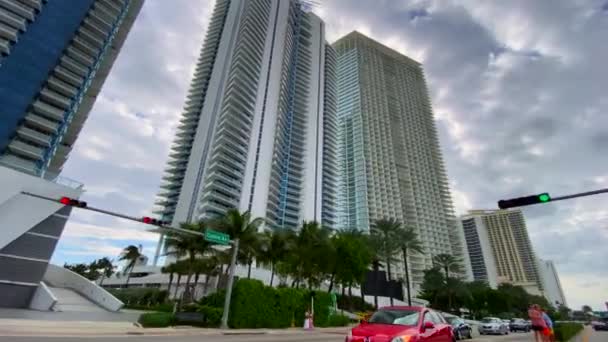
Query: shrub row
{"points": [[565, 331], [255, 305], [156, 319], [140, 296]]}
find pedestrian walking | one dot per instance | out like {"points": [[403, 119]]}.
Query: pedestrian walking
{"points": [[539, 325], [549, 331]]}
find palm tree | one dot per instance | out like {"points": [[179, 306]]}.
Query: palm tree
{"points": [[107, 268], [409, 243], [130, 254], [307, 259], [273, 248], [448, 263], [387, 231], [189, 246], [171, 269], [240, 226]]}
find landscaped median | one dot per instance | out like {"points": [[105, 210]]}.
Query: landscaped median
{"points": [[564, 332]]}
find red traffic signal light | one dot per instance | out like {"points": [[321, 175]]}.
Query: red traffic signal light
{"points": [[150, 220], [72, 202]]}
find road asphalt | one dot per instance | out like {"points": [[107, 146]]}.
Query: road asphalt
{"points": [[313, 336]]}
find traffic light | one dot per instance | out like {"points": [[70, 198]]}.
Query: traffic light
{"points": [[72, 202], [526, 200], [153, 221]]}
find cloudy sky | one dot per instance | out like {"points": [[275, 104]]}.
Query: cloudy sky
{"points": [[519, 90]]}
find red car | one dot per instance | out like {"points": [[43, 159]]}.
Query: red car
{"points": [[403, 324]]}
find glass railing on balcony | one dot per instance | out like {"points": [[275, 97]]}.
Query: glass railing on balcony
{"points": [[32, 169]]}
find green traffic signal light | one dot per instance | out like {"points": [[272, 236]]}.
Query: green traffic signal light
{"points": [[544, 197]]}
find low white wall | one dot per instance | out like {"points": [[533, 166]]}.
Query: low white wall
{"points": [[58, 276], [43, 299]]}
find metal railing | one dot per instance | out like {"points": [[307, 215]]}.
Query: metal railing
{"points": [[36, 172]]}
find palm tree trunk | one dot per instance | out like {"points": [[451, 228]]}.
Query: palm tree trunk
{"points": [[388, 273], [249, 262], [207, 278], [179, 278], [331, 282], [196, 277], [129, 275], [271, 273], [170, 283], [103, 276], [350, 297], [407, 277]]}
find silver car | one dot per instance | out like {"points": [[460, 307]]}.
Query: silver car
{"points": [[493, 326]]}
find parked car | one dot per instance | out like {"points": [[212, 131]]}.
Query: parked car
{"points": [[518, 324], [461, 328], [493, 325], [403, 323], [597, 326]]}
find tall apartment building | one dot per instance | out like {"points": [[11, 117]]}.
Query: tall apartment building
{"points": [[500, 250], [552, 287], [54, 58], [389, 157], [257, 129]]}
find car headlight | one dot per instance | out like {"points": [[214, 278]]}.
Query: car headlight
{"points": [[402, 339]]}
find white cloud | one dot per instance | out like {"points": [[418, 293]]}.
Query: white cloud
{"points": [[127, 231]]}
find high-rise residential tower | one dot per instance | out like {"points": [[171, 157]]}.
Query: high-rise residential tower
{"points": [[552, 286], [54, 58], [389, 157], [500, 250], [257, 128]]}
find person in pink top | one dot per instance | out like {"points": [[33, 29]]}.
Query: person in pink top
{"points": [[538, 322]]}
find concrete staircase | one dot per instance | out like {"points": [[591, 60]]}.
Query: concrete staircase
{"points": [[70, 301]]}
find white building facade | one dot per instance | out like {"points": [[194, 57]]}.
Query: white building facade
{"points": [[389, 156], [259, 115], [499, 249], [552, 287]]}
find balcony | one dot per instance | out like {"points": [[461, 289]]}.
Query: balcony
{"points": [[55, 99], [48, 110], [42, 123], [34, 136], [26, 150]]}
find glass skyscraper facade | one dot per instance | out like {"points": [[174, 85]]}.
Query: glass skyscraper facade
{"points": [[389, 157], [54, 57], [257, 128]]}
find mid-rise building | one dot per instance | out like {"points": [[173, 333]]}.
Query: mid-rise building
{"points": [[552, 287], [389, 156], [54, 58], [499, 248], [257, 129]]}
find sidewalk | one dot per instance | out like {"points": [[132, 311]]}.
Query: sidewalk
{"points": [[19, 327]]}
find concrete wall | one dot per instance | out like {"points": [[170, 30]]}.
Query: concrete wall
{"points": [[30, 228], [58, 276], [43, 299]]}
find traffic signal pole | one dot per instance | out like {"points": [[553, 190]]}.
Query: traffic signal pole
{"points": [[115, 214], [581, 194], [167, 228]]}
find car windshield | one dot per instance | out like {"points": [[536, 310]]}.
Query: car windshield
{"points": [[452, 320], [489, 320], [400, 317]]}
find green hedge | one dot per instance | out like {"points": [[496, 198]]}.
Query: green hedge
{"points": [[212, 316], [140, 297], [338, 320], [257, 306], [565, 331], [156, 319], [214, 300]]}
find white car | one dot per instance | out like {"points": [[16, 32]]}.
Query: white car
{"points": [[493, 326]]}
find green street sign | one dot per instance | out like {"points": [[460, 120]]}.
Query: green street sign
{"points": [[217, 237]]}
